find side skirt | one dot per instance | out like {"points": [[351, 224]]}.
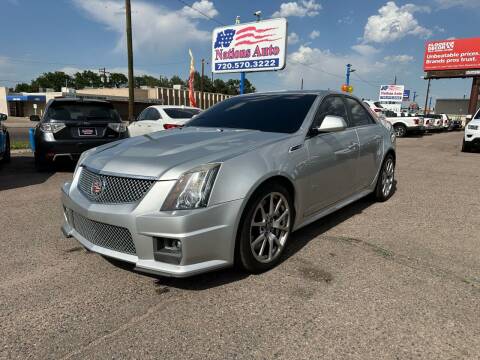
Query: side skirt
{"points": [[333, 208]]}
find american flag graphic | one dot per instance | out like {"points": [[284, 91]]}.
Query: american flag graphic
{"points": [[249, 35]]}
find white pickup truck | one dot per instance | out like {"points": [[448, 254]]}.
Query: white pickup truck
{"points": [[404, 123]]}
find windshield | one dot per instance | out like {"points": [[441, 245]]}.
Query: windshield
{"points": [[78, 111], [282, 113], [179, 113]]}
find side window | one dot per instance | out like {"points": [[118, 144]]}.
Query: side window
{"points": [[154, 114], [143, 115], [359, 116], [332, 105]]}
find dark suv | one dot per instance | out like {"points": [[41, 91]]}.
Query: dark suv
{"points": [[72, 126]]}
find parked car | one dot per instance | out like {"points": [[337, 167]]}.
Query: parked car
{"points": [[161, 117], [405, 124], [455, 124], [446, 121], [437, 121], [71, 126], [471, 138], [375, 106], [231, 185], [4, 140], [428, 123]]}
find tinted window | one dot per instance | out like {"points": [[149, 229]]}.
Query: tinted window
{"points": [[179, 113], [377, 104], [359, 116], [283, 113], [142, 115], [153, 114], [332, 105], [83, 111]]}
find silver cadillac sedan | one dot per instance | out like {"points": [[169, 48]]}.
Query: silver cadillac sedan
{"points": [[231, 185]]}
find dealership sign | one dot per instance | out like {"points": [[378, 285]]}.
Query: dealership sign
{"points": [[258, 46], [455, 54], [391, 93]]}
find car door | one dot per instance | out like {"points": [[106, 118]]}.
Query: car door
{"points": [[370, 136], [135, 128], [332, 157], [152, 122]]}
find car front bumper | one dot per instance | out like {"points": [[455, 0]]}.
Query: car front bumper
{"points": [[207, 235], [472, 137]]}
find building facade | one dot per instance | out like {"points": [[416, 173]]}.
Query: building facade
{"points": [[26, 104]]}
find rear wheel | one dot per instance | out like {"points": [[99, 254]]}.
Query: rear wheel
{"points": [[386, 178], [41, 164], [265, 229], [400, 130], [7, 154]]}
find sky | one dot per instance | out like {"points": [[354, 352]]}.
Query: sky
{"points": [[381, 39]]}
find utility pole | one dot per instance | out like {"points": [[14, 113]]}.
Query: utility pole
{"points": [[103, 74], [301, 85], [201, 84], [430, 104], [414, 96], [426, 98], [131, 90], [395, 80]]}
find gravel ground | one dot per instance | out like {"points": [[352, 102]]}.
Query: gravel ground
{"points": [[397, 280]]}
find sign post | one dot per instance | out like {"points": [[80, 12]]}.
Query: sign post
{"points": [[250, 47]]}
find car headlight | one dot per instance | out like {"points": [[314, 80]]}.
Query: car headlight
{"points": [[118, 127], [192, 190], [473, 127], [83, 156]]}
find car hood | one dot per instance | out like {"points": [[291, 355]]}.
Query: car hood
{"points": [[166, 155]]}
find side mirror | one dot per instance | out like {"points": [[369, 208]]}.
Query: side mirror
{"points": [[331, 124], [3, 117], [34, 118]]}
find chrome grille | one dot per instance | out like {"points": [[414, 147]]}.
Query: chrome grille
{"points": [[114, 189], [104, 235]]}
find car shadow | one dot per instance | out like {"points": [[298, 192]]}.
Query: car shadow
{"points": [[21, 172], [297, 242]]}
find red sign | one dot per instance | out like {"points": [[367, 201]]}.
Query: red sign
{"points": [[455, 54]]}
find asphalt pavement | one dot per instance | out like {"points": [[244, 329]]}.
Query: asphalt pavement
{"points": [[393, 280]]}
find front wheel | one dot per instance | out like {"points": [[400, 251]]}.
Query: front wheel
{"points": [[265, 229], [400, 130], [465, 146], [386, 178]]}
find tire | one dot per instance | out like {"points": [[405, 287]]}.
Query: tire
{"points": [[465, 146], [7, 155], [400, 130], [260, 247], [41, 164], [386, 179]]}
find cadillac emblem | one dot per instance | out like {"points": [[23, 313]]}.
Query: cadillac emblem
{"points": [[97, 187]]}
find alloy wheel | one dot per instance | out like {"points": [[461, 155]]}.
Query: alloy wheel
{"points": [[388, 175], [269, 228]]}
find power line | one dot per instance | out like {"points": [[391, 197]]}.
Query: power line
{"points": [[83, 65]]}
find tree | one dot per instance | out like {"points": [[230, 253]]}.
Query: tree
{"points": [[176, 80], [52, 80], [117, 80], [219, 86], [24, 87], [87, 78], [163, 81]]}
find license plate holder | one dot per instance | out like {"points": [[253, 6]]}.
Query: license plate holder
{"points": [[87, 131]]}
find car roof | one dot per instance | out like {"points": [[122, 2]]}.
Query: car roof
{"points": [[298, 92], [80, 100], [173, 107]]}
